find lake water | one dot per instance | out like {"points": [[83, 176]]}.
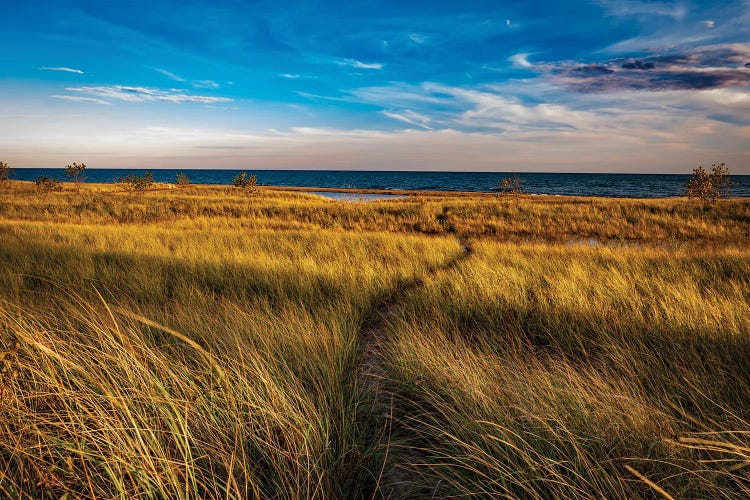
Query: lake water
{"points": [[615, 185]]}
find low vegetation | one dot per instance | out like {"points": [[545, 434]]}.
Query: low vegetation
{"points": [[512, 186], [709, 186], [5, 174], [45, 185], [197, 343], [181, 179], [137, 184], [245, 183], [75, 172]]}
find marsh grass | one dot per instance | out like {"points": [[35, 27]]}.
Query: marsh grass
{"points": [[201, 343]]}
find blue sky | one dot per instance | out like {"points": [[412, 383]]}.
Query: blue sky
{"points": [[599, 85]]}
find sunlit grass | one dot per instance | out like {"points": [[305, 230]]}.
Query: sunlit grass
{"points": [[531, 217], [98, 402], [199, 342], [540, 371]]}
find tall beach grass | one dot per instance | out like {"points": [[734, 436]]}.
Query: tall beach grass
{"points": [[202, 343]]}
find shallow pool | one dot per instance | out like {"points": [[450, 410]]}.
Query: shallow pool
{"points": [[356, 196]]}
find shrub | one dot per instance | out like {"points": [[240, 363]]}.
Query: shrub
{"points": [[245, 182], [74, 172], [47, 185], [511, 186], [5, 174], [138, 184], [708, 187], [181, 180]]}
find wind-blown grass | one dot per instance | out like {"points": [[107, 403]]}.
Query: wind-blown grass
{"points": [[533, 217], [204, 343], [544, 371], [237, 385]]}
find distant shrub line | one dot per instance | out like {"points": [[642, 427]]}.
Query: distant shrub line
{"points": [[704, 186]]}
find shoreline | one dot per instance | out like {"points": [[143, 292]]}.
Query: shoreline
{"points": [[636, 186], [401, 193]]}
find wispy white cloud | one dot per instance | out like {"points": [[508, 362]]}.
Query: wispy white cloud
{"points": [[297, 76], [359, 64], [198, 84], [75, 98], [396, 94], [675, 119], [628, 8], [61, 68], [205, 84], [410, 117], [417, 38], [309, 95], [521, 60], [169, 75], [142, 94], [700, 25], [487, 109]]}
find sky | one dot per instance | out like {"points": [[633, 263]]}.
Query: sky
{"points": [[550, 86]]}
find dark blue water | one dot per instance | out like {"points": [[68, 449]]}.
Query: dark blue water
{"points": [[615, 185]]}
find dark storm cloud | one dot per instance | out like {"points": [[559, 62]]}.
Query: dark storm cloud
{"points": [[700, 69], [591, 70], [638, 64]]}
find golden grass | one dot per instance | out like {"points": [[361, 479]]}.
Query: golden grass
{"points": [[532, 217], [545, 371], [196, 342], [216, 364]]}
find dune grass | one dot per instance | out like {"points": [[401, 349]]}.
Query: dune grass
{"points": [[198, 342], [545, 371], [530, 217], [144, 361]]}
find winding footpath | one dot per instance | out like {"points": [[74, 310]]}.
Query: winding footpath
{"points": [[392, 478]]}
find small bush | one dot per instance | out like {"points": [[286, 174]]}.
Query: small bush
{"points": [[5, 174], [47, 185], [181, 180], [511, 186], [245, 182], [708, 187], [137, 184], [74, 172]]}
